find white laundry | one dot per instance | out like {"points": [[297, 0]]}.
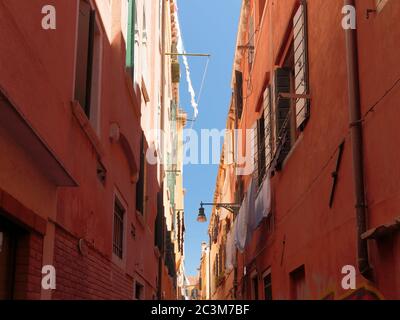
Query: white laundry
{"points": [[244, 219], [251, 208], [262, 203]]}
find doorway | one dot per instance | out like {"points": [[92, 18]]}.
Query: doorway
{"points": [[8, 244]]}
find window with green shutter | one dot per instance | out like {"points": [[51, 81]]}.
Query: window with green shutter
{"points": [[130, 41]]}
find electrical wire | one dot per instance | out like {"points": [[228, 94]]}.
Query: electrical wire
{"points": [[200, 91], [372, 108]]}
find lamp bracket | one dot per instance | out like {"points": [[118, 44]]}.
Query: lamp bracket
{"points": [[231, 207]]}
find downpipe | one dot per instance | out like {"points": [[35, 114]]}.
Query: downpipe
{"points": [[357, 147]]}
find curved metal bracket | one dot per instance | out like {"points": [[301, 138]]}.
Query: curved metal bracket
{"points": [[231, 207]]}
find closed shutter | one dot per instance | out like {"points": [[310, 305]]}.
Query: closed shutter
{"points": [[239, 94], [261, 148], [282, 115], [268, 125], [130, 42], [301, 64], [158, 233], [140, 184], [254, 144]]}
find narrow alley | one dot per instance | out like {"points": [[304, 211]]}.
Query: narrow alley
{"points": [[199, 150]]}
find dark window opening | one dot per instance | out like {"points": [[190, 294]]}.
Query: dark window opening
{"points": [[8, 246], [140, 184], [101, 172], [292, 89], [159, 230], [254, 284], [298, 284], [239, 94], [260, 165], [84, 55], [118, 232], [139, 291], [268, 287]]}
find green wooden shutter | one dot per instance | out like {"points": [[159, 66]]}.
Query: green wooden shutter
{"points": [[130, 41]]}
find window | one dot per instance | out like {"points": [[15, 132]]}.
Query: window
{"points": [[139, 291], [118, 232], [222, 255], [8, 240], [283, 116], [101, 172], [268, 286], [169, 254], [88, 63], [291, 89], [219, 265], [130, 37], [159, 222], [254, 287], [195, 294], [140, 185], [259, 150], [239, 94], [262, 136], [298, 284]]}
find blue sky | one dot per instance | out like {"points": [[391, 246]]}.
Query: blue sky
{"points": [[208, 26]]}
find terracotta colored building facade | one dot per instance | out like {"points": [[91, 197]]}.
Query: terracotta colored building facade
{"points": [[319, 102], [78, 109]]}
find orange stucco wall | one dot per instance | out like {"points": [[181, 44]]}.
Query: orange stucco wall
{"points": [[305, 230], [37, 74]]}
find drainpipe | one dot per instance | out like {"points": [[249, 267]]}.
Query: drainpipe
{"points": [[163, 27], [357, 147], [209, 269]]}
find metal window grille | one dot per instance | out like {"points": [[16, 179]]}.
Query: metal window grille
{"points": [[118, 234]]}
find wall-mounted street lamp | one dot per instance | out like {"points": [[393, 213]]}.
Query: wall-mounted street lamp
{"points": [[232, 207]]}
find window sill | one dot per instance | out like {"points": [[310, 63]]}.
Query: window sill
{"points": [[87, 128], [273, 165], [144, 91], [120, 262]]}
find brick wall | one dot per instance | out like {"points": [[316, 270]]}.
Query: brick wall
{"points": [[89, 276]]}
